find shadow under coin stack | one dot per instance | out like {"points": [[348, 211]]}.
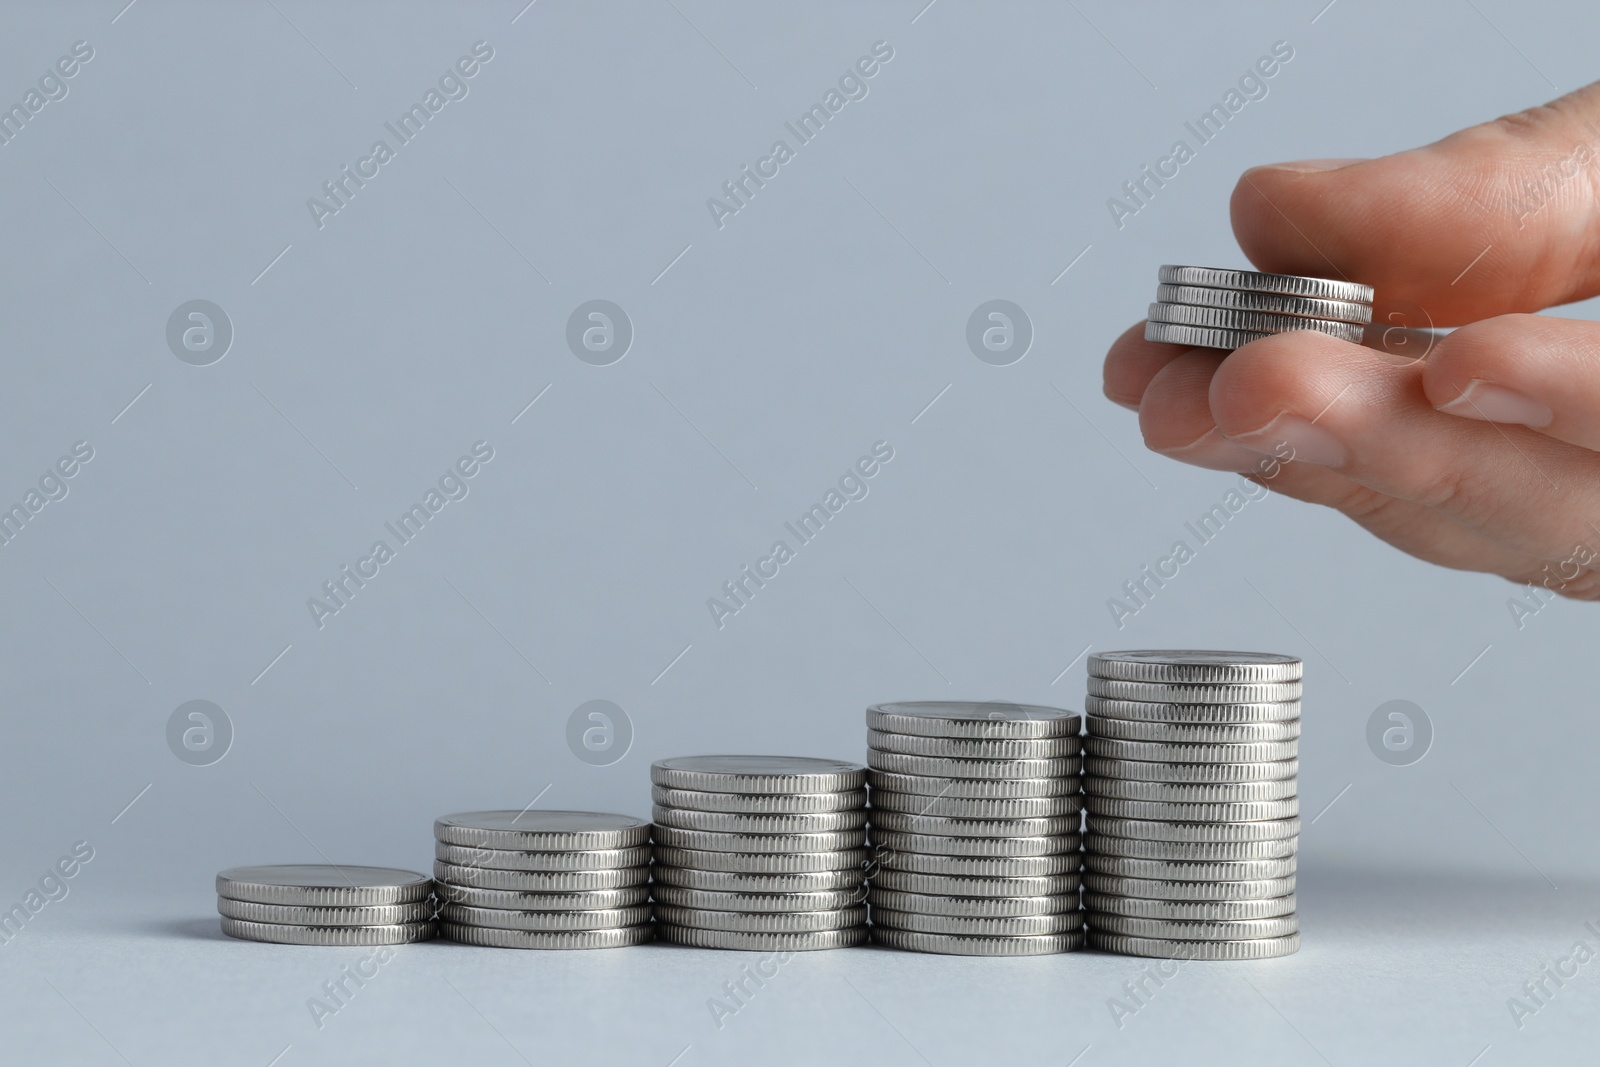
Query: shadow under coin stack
{"points": [[1209, 307], [763, 853], [543, 879], [974, 827], [326, 904], [1193, 813]]}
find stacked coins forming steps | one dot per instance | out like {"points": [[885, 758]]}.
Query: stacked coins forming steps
{"points": [[763, 853], [974, 824], [1209, 307], [543, 879], [1192, 808], [326, 904]]}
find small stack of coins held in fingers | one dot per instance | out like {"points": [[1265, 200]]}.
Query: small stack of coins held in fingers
{"points": [[1210, 307]]}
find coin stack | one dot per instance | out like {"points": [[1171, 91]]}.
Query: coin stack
{"points": [[326, 904], [762, 853], [1192, 807], [974, 823], [1209, 307], [543, 879]]}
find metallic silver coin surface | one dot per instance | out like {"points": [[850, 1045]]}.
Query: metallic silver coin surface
{"points": [[504, 919], [1270, 303], [1200, 773], [995, 720], [499, 859], [1262, 282], [975, 789], [1182, 693], [1172, 333], [511, 900], [490, 937], [1170, 889], [757, 774], [727, 822], [978, 866], [1179, 871], [1098, 904], [323, 885], [712, 841], [1208, 851], [758, 803], [294, 915], [1158, 830], [777, 922], [534, 830], [1241, 811], [707, 900], [1190, 792], [1166, 711], [973, 748], [1186, 733], [1238, 320], [934, 845], [906, 822], [540, 881], [884, 800], [988, 886], [979, 926], [742, 941], [955, 945], [1194, 665], [970, 907], [1163, 752], [1008, 769], [850, 878], [1199, 930], [1255, 949], [341, 936], [760, 863]]}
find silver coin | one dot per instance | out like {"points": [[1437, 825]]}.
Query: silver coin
{"points": [[934, 845], [540, 881], [1181, 871], [1199, 930], [511, 900], [1159, 830], [1170, 889], [974, 789], [1243, 811], [1271, 303], [533, 830], [978, 866], [1009, 769], [757, 774], [1255, 949], [499, 859], [323, 885], [1157, 751], [727, 822], [741, 941], [884, 800], [978, 926], [990, 887], [1186, 733], [1191, 665], [758, 803], [490, 937], [973, 748], [1262, 282], [375, 915], [1098, 904], [954, 945], [1208, 851], [711, 841], [1198, 773], [971, 907], [996, 721], [1191, 713], [781, 922], [1190, 792], [503, 919], [706, 900], [1179, 693], [761, 863], [906, 822], [1171, 333], [1265, 322], [342, 936], [851, 879]]}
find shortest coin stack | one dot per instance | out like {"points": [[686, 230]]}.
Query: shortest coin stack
{"points": [[1210, 307], [326, 904], [762, 853], [543, 879]]}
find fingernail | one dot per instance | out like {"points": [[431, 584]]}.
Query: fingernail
{"points": [[1215, 452], [1312, 166], [1495, 403], [1307, 442], [1131, 405]]}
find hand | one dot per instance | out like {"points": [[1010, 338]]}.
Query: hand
{"points": [[1480, 456]]}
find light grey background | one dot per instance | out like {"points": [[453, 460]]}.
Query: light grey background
{"points": [[369, 354]]}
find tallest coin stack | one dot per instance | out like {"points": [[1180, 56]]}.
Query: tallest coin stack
{"points": [[1193, 813], [1209, 307]]}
